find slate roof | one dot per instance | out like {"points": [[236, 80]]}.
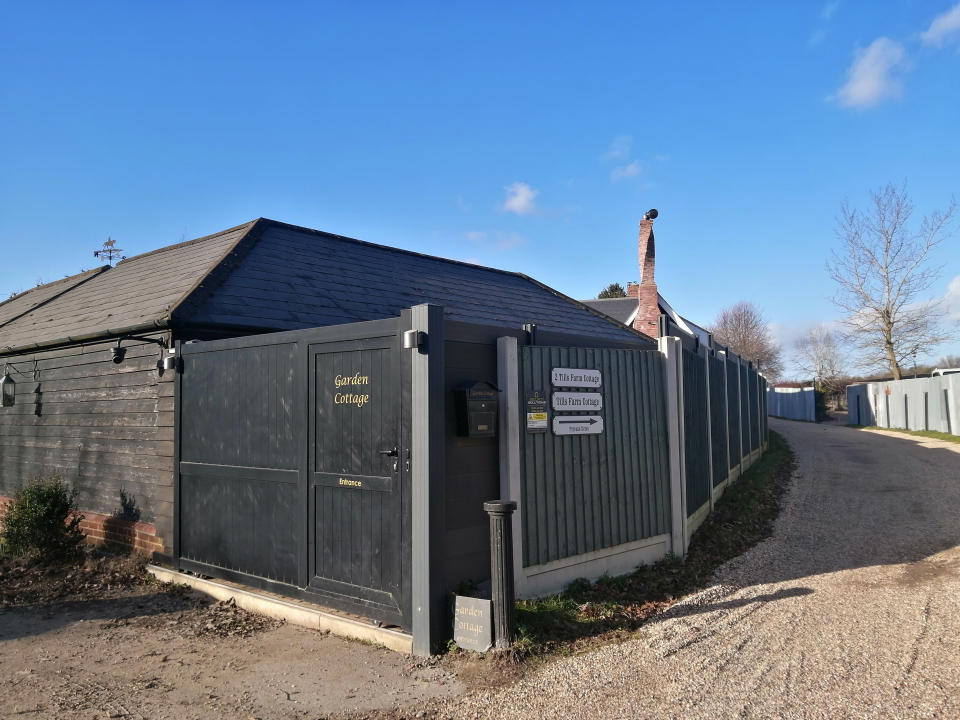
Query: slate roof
{"points": [[622, 310], [139, 291], [22, 303], [267, 275]]}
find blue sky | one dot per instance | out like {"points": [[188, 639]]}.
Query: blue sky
{"points": [[530, 137]]}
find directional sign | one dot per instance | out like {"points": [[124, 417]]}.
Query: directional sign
{"points": [[575, 377], [573, 401], [577, 425]]}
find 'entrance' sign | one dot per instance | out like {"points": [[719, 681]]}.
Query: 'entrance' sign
{"points": [[582, 401], [577, 425], [575, 377]]}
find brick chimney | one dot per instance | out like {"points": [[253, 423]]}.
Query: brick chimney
{"points": [[648, 314]]}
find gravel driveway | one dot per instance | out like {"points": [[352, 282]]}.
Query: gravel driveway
{"points": [[850, 610]]}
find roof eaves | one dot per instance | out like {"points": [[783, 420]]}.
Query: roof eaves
{"points": [[86, 337]]}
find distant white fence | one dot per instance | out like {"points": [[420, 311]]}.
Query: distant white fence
{"points": [[792, 403], [917, 404]]}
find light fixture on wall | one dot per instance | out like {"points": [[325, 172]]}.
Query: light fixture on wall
{"points": [[8, 387], [118, 353]]}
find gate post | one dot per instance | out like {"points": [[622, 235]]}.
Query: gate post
{"points": [[426, 454], [501, 570]]}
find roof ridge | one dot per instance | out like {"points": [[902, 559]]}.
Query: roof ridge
{"points": [[48, 284], [165, 248], [512, 273], [253, 232], [414, 253]]}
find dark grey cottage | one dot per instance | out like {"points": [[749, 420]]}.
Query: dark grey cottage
{"points": [[136, 437]]}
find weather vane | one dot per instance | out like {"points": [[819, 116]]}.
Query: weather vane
{"points": [[109, 251]]}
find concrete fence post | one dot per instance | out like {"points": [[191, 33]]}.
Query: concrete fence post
{"points": [[671, 349], [710, 379]]}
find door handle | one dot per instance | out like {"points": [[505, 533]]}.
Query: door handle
{"points": [[392, 452]]}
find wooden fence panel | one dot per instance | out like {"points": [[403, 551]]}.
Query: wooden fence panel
{"points": [[582, 493], [695, 432], [718, 420]]}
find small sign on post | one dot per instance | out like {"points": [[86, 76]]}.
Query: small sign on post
{"points": [[575, 377], [574, 401], [578, 425], [473, 623]]}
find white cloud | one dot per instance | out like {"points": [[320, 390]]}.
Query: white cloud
{"points": [[507, 240], [625, 171], [951, 301], [496, 240], [520, 199], [873, 76], [620, 148], [820, 33], [945, 26], [462, 204]]}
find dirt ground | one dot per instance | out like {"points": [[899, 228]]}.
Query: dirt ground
{"points": [[103, 640]]}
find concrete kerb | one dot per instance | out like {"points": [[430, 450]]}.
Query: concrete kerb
{"points": [[291, 612]]}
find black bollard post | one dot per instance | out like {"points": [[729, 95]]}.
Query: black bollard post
{"points": [[501, 570]]}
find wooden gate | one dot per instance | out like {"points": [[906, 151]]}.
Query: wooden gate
{"points": [[292, 469]]}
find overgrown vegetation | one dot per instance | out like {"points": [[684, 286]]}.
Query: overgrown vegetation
{"points": [[919, 433], [42, 520], [586, 613]]}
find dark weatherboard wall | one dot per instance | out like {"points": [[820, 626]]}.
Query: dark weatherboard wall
{"points": [[105, 428]]}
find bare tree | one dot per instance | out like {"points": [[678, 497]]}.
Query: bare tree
{"points": [[744, 329], [819, 354], [882, 271], [949, 361]]}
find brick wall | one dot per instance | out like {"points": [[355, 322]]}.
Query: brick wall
{"points": [[108, 529]]}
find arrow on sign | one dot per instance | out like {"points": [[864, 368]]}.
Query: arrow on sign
{"points": [[577, 425]]}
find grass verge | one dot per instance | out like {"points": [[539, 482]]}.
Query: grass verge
{"points": [[919, 433], [590, 613]]}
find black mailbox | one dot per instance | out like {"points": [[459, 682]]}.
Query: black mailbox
{"points": [[476, 407]]}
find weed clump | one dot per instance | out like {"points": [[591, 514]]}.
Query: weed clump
{"points": [[42, 520]]}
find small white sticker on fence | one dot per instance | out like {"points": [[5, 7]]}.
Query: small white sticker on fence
{"points": [[575, 377], [583, 401], [577, 425]]}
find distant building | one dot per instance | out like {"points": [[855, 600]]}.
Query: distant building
{"points": [[644, 309]]}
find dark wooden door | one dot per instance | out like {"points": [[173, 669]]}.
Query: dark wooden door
{"points": [[355, 465]]}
